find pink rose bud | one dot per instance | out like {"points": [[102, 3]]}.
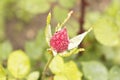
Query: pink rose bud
{"points": [[60, 40]]}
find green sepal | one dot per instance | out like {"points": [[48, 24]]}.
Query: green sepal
{"points": [[48, 33], [60, 26], [48, 19], [71, 52], [75, 41]]}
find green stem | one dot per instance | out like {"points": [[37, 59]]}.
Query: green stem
{"points": [[46, 68]]}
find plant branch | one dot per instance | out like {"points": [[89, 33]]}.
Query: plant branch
{"points": [[81, 21], [46, 68], [82, 16]]}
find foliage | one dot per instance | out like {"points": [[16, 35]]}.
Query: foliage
{"points": [[5, 50], [33, 76], [63, 70], [100, 59], [106, 24], [114, 73], [94, 73], [2, 73], [18, 64]]}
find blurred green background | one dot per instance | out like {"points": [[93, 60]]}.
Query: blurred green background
{"points": [[22, 24]]}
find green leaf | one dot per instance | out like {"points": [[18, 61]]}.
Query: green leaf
{"points": [[108, 52], [117, 17], [33, 76], [64, 71], [11, 78], [75, 41], [2, 73], [51, 1], [116, 59], [71, 71], [18, 64], [5, 49], [94, 71], [67, 3], [106, 32], [113, 8], [34, 6], [57, 65], [59, 13], [60, 77], [114, 73]]}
